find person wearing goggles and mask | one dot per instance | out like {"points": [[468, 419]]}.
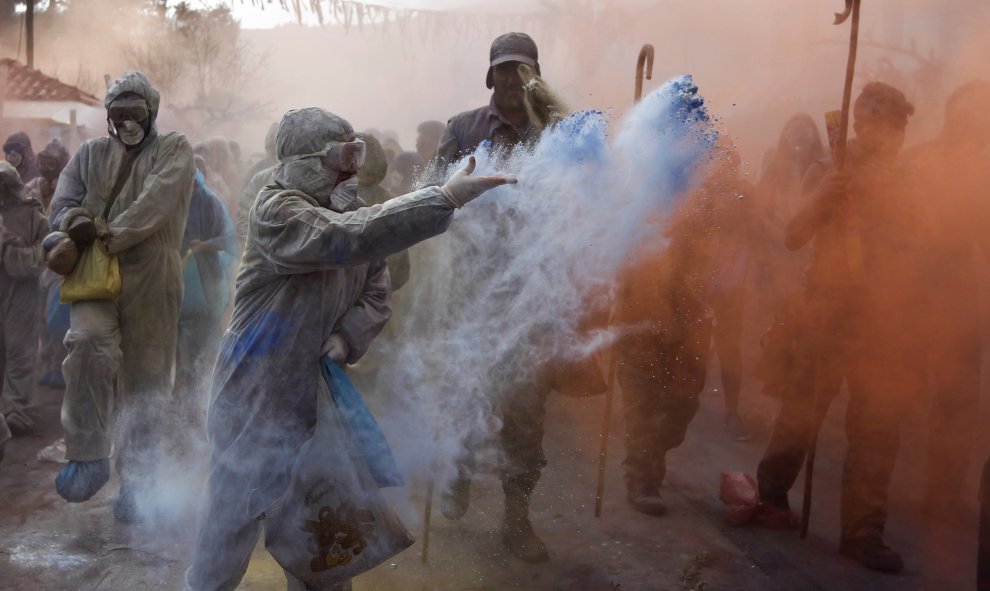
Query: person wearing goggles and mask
{"points": [[131, 190], [312, 282]]}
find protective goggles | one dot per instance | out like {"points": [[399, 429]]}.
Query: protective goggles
{"points": [[342, 156], [135, 110]]}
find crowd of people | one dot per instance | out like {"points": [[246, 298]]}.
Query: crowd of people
{"points": [[864, 273]]}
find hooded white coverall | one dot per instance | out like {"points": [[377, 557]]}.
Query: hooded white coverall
{"points": [[130, 341]]}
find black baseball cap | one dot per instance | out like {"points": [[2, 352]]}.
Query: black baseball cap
{"points": [[513, 47]]}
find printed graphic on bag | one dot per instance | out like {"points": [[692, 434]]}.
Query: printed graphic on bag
{"points": [[339, 534]]}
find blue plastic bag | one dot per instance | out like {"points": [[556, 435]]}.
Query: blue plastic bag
{"points": [[368, 436]]}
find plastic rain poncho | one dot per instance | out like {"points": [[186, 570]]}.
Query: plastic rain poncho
{"points": [[208, 280], [130, 340], [312, 266]]}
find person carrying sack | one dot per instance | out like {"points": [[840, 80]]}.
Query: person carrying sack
{"points": [[129, 193], [313, 284]]}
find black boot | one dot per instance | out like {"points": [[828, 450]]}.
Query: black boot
{"points": [[517, 531], [125, 507], [518, 535], [872, 553], [455, 501], [645, 498]]}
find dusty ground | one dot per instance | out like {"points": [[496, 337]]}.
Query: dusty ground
{"points": [[51, 545]]}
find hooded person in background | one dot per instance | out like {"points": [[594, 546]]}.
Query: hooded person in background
{"points": [[216, 153], [861, 298], [141, 181], [259, 176], [268, 160], [428, 138], [312, 282], [51, 160], [798, 147], [22, 228], [370, 190], [210, 255], [17, 150], [779, 194], [403, 172], [955, 167]]}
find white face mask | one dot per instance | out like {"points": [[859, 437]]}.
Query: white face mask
{"points": [[130, 132], [14, 158]]}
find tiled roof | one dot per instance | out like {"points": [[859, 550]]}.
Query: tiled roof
{"points": [[27, 84]]}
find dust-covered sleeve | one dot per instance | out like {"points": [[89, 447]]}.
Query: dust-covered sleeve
{"points": [[25, 260], [367, 317], [296, 235], [169, 182]]}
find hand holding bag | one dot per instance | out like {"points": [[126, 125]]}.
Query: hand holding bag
{"points": [[96, 276]]}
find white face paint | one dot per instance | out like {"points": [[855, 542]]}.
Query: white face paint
{"points": [[14, 158], [131, 133]]}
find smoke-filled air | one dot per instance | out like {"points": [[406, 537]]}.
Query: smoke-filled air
{"points": [[464, 295]]}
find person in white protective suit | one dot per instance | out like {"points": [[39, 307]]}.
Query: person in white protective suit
{"points": [[139, 182], [22, 228], [312, 282]]}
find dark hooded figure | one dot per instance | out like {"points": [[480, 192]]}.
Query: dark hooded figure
{"points": [[51, 160], [18, 151], [799, 146]]}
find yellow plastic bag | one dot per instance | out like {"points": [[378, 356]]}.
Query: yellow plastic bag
{"points": [[96, 276]]}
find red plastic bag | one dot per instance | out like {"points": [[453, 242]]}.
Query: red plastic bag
{"points": [[741, 496]]}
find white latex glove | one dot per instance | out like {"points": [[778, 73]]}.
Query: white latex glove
{"points": [[337, 348], [462, 188]]}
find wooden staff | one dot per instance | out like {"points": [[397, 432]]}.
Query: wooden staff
{"points": [[606, 426], [645, 59], [852, 9], [427, 515]]}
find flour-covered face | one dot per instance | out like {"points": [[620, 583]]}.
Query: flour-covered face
{"points": [[131, 133]]}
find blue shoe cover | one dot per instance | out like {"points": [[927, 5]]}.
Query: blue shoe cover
{"points": [[79, 481]]}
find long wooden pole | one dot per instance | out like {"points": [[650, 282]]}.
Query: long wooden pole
{"points": [[29, 31], [852, 9], [606, 427]]}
